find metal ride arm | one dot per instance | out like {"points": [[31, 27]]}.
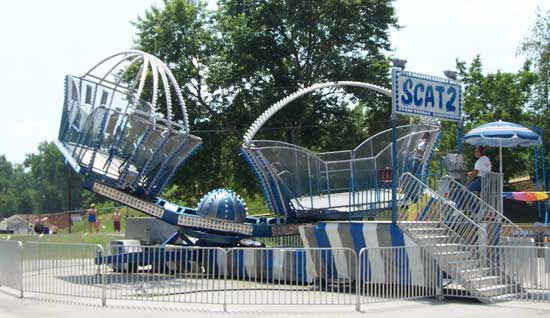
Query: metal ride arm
{"points": [[188, 218]]}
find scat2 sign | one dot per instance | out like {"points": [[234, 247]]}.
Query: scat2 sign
{"points": [[427, 96]]}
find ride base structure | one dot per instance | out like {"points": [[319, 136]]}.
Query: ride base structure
{"points": [[125, 127]]}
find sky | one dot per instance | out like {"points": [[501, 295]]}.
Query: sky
{"points": [[42, 41]]}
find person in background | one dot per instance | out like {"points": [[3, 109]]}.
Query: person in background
{"points": [[92, 218], [46, 229], [481, 168], [98, 224], [54, 228], [116, 220], [38, 228], [539, 228], [419, 152]]}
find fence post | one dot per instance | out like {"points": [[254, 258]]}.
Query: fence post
{"points": [[440, 296], [225, 253], [100, 276], [20, 260], [358, 282]]}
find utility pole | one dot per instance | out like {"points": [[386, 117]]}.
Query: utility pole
{"points": [[69, 194]]}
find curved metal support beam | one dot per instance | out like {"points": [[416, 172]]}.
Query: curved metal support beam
{"points": [[258, 123], [158, 69]]}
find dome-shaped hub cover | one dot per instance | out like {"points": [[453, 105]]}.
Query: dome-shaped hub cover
{"points": [[224, 205]]}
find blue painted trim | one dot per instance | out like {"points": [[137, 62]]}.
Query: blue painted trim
{"points": [[401, 258], [544, 183], [164, 164], [537, 185], [326, 255], [130, 160], [280, 200], [177, 166], [460, 136], [257, 172], [425, 210], [426, 168], [356, 232], [394, 168]]}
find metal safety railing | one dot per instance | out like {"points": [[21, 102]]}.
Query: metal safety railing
{"points": [[429, 217], [62, 269], [524, 272], [499, 273], [491, 190], [357, 180], [10, 265], [102, 238], [482, 212], [396, 273], [277, 276], [166, 274]]}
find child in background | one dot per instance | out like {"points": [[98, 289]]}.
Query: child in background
{"points": [[98, 224], [116, 220]]}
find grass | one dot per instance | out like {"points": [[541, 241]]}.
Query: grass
{"points": [[80, 230], [257, 206], [107, 225]]}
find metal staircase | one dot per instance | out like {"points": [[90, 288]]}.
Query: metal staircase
{"points": [[457, 229]]}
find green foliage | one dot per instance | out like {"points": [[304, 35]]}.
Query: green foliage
{"points": [[8, 198], [236, 62], [42, 184], [492, 97], [536, 48]]}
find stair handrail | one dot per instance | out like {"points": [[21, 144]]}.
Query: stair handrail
{"points": [[408, 178], [464, 189]]}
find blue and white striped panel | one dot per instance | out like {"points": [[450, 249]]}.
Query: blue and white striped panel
{"points": [[407, 266], [221, 262], [278, 268], [416, 263], [340, 257], [251, 261], [310, 265], [377, 269]]}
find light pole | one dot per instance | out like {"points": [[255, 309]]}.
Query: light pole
{"points": [[453, 75], [398, 66]]}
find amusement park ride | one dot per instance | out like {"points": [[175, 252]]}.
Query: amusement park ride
{"points": [[125, 128]]}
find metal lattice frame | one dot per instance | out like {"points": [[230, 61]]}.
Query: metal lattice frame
{"points": [[258, 123], [289, 174], [125, 123]]}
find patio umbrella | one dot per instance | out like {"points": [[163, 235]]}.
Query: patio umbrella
{"points": [[502, 134]]}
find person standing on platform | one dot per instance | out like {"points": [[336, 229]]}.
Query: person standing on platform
{"points": [[418, 154], [116, 220]]}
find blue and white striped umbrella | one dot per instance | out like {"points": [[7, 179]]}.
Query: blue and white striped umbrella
{"points": [[502, 134]]}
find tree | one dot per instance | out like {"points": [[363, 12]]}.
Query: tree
{"points": [[8, 197], [492, 97], [237, 61], [47, 177], [536, 48]]}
